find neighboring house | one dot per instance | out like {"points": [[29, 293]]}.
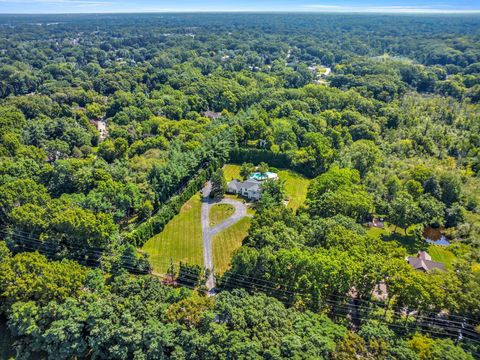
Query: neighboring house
{"points": [[212, 114], [327, 72], [101, 126], [251, 188], [378, 223], [423, 262]]}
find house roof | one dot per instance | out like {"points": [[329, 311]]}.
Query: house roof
{"points": [[234, 184], [424, 255], [212, 114], [423, 264], [251, 184]]}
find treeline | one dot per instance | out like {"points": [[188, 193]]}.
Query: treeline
{"points": [[71, 311]]}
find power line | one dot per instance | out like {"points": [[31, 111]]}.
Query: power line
{"points": [[49, 248], [253, 283]]}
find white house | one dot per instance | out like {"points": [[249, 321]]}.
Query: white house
{"points": [[251, 188]]}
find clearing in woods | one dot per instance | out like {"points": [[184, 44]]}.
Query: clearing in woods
{"points": [[180, 240], [296, 185]]}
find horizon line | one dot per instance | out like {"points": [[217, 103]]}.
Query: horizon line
{"points": [[306, 11]]}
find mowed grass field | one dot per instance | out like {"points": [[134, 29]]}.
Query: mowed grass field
{"points": [[296, 185], [219, 213], [226, 242], [180, 240]]}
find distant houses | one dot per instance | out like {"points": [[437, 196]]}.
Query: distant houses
{"points": [[252, 187], [212, 114], [101, 126], [423, 262]]}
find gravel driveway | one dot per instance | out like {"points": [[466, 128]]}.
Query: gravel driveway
{"points": [[208, 232]]}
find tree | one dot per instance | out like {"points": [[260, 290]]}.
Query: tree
{"points": [[451, 188], [263, 167], [94, 111], [31, 277], [429, 349], [332, 180], [379, 338], [246, 169], [352, 346], [351, 201], [454, 215], [432, 210], [414, 188], [273, 194], [403, 211], [219, 185], [363, 155], [432, 186], [393, 186], [20, 192], [316, 155], [121, 148], [107, 150], [145, 210], [190, 311]]}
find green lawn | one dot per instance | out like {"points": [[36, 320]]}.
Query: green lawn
{"points": [[296, 185], [181, 240], [441, 254], [226, 242], [219, 213], [438, 253], [231, 171], [399, 236]]}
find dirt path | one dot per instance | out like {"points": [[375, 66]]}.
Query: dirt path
{"points": [[208, 232]]}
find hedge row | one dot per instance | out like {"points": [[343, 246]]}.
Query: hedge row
{"points": [[169, 209], [255, 156]]}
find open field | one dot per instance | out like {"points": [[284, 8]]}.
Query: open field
{"points": [[226, 242], [219, 213], [296, 185], [438, 253], [181, 240]]}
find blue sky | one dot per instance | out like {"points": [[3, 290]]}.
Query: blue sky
{"points": [[389, 6]]}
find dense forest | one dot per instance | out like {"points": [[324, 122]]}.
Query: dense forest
{"points": [[110, 123]]}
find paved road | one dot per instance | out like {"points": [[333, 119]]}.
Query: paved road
{"points": [[208, 232]]}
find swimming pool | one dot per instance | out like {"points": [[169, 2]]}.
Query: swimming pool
{"points": [[263, 176]]}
